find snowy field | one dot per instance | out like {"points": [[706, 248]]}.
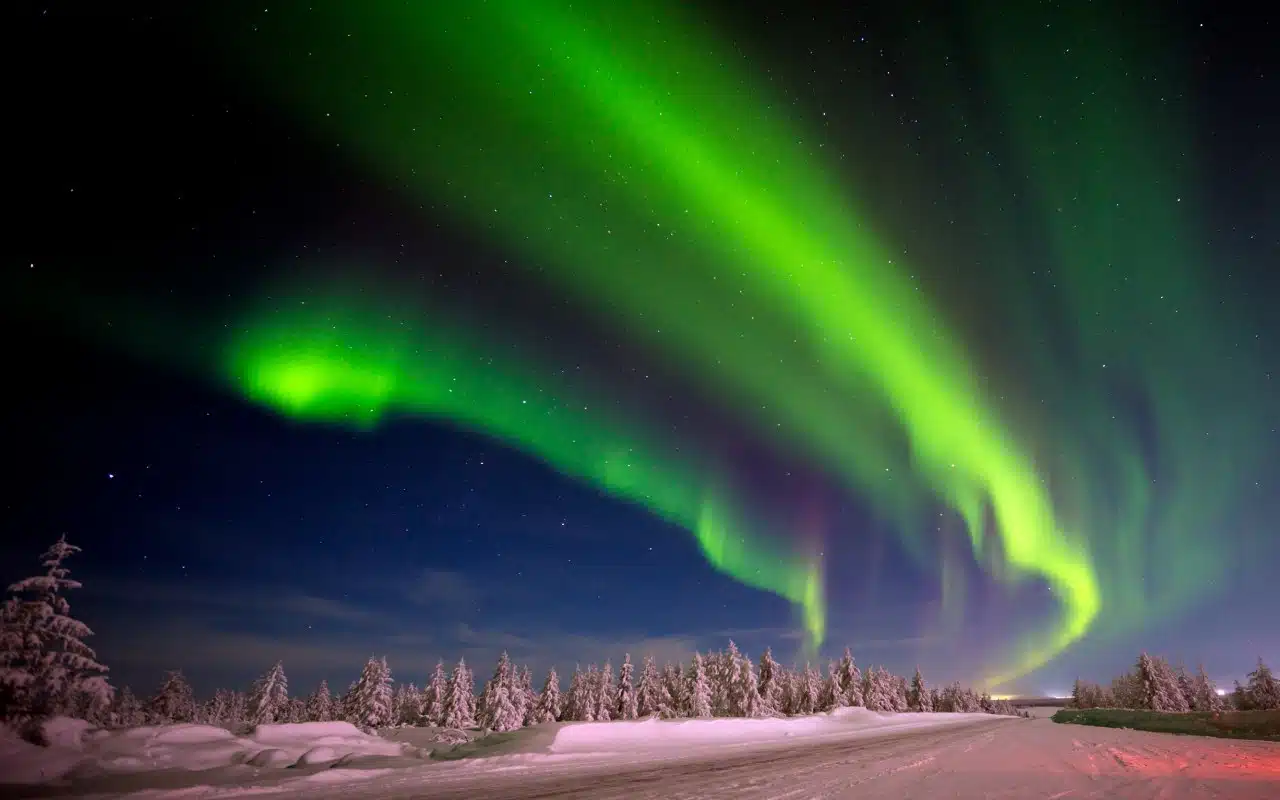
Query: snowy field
{"points": [[849, 753]]}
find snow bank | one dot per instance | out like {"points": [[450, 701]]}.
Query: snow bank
{"points": [[656, 735], [79, 751]]}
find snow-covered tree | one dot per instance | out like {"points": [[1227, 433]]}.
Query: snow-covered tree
{"points": [[919, 698], [547, 707], [678, 688], [370, 701], [577, 705], [628, 704], [699, 690], [408, 704], [45, 665], [269, 700], [770, 683], [649, 692], [237, 709], [850, 680], [459, 704], [831, 697], [126, 710], [752, 705], [899, 695], [603, 693], [1158, 685], [500, 713], [320, 704], [935, 697], [722, 673], [525, 697], [173, 702], [875, 695], [434, 696], [1204, 694], [1262, 689]]}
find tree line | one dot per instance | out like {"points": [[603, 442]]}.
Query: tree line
{"points": [[1155, 685]]}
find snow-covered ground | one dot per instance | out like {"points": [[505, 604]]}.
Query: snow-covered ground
{"points": [[851, 753]]}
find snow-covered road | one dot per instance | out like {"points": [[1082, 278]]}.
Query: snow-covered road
{"points": [[1001, 758]]}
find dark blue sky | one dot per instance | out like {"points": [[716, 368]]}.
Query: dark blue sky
{"points": [[218, 538]]}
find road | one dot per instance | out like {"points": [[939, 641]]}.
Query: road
{"points": [[1003, 758]]}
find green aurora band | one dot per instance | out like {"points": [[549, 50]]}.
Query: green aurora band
{"points": [[611, 147], [354, 356]]}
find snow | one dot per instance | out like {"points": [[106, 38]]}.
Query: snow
{"points": [[77, 751], [659, 736], [823, 755]]}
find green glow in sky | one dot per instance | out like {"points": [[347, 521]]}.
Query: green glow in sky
{"points": [[352, 356], [628, 159]]}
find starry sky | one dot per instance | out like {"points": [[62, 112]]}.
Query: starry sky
{"points": [[946, 333]]}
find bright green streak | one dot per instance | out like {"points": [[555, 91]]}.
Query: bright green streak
{"points": [[645, 177], [343, 358]]}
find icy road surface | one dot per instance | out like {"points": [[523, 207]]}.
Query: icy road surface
{"points": [[1001, 758]]}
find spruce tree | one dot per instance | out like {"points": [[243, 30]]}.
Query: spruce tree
{"points": [[605, 701], [648, 693], [627, 705], [370, 703], [174, 702], [126, 710], [433, 701], [752, 703], [770, 683], [850, 680], [918, 698], [1204, 695], [320, 704], [1262, 688], [44, 663], [699, 689], [269, 700], [459, 706], [831, 697], [547, 709]]}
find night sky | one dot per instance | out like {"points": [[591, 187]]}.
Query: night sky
{"points": [[946, 332]]}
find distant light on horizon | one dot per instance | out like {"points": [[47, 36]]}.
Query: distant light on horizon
{"points": [[1221, 692]]}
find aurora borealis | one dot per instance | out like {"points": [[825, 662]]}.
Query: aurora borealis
{"points": [[867, 309]]}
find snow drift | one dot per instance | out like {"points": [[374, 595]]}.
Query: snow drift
{"points": [[683, 734], [78, 750]]}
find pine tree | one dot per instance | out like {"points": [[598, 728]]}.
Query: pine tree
{"points": [[770, 683], [237, 709], [173, 703], [699, 689], [850, 680], [44, 662], [918, 698], [547, 709], [1262, 688], [369, 702], [605, 701], [459, 704], [628, 704], [320, 704], [649, 692], [433, 701], [269, 700]]}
